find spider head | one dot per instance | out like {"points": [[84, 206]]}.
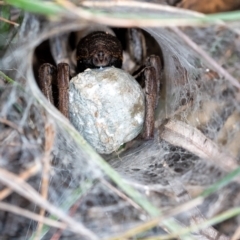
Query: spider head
{"points": [[98, 49]]}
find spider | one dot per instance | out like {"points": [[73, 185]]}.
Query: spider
{"points": [[99, 49]]}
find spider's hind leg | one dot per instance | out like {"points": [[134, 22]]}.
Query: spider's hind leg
{"points": [[151, 75], [155, 62]]}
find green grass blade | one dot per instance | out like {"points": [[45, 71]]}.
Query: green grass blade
{"points": [[37, 6], [194, 228], [4, 13], [221, 183], [7, 79]]}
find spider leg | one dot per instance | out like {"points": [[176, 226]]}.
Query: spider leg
{"points": [[49, 75], [137, 45], [63, 86], [155, 62], [151, 75], [46, 76]]}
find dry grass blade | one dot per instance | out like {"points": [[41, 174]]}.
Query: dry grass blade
{"points": [[120, 194], [72, 211], [72, 153], [183, 135], [49, 141], [8, 21], [28, 214], [140, 5], [156, 221], [126, 21], [11, 124], [24, 189], [182, 196], [32, 171]]}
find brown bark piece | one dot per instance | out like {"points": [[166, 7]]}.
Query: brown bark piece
{"points": [[212, 6]]}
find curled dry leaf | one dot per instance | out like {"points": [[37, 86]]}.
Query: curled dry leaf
{"points": [[183, 135]]}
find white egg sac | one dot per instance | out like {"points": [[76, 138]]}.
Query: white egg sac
{"points": [[107, 106]]}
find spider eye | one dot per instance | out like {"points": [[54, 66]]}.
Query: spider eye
{"points": [[99, 49], [101, 58]]}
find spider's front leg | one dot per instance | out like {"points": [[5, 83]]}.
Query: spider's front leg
{"points": [[46, 77], [151, 75], [50, 75]]}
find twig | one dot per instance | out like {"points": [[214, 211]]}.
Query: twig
{"points": [[206, 57], [49, 140], [8, 21]]}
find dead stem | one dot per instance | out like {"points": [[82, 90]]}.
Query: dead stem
{"points": [[182, 196], [206, 57], [156, 221], [8, 21], [72, 211], [120, 194], [28, 214], [49, 140]]}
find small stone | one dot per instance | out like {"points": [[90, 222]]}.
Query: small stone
{"points": [[107, 107]]}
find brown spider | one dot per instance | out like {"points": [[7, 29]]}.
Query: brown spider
{"points": [[99, 50]]}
